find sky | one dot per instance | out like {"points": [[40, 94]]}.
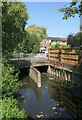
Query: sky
{"points": [[46, 14]]}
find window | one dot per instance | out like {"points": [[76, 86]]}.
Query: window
{"points": [[46, 42], [65, 43], [54, 42], [59, 42], [49, 41]]}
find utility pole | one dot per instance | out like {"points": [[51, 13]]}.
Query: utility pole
{"points": [[81, 23]]}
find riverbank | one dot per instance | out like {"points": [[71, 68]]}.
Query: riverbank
{"points": [[10, 85]]}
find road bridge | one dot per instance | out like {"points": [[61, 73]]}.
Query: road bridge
{"points": [[27, 61], [33, 63], [20, 63], [36, 63]]}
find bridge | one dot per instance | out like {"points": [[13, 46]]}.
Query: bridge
{"points": [[37, 62], [32, 62], [27, 61]]}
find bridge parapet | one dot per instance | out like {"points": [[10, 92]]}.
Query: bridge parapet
{"points": [[20, 63], [17, 56], [39, 60]]}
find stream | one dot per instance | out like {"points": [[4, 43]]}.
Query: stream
{"points": [[55, 99]]}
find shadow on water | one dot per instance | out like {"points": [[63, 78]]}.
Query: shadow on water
{"points": [[55, 99], [23, 73], [42, 68]]}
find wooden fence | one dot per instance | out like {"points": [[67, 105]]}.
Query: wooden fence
{"points": [[65, 56]]}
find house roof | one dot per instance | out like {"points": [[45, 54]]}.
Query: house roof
{"points": [[55, 38]]}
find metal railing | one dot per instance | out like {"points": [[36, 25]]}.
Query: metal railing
{"points": [[32, 57], [17, 56]]}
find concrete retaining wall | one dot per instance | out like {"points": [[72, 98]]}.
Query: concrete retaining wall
{"points": [[35, 75], [67, 74]]}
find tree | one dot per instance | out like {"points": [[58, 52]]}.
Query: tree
{"points": [[14, 17], [40, 32], [75, 40], [32, 42], [70, 40], [73, 9], [78, 39]]}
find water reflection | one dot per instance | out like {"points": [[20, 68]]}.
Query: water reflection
{"points": [[27, 82], [54, 99]]}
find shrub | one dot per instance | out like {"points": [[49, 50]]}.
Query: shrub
{"points": [[10, 84], [10, 109], [9, 80], [58, 45]]}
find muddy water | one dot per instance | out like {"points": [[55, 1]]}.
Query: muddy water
{"points": [[55, 99]]}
